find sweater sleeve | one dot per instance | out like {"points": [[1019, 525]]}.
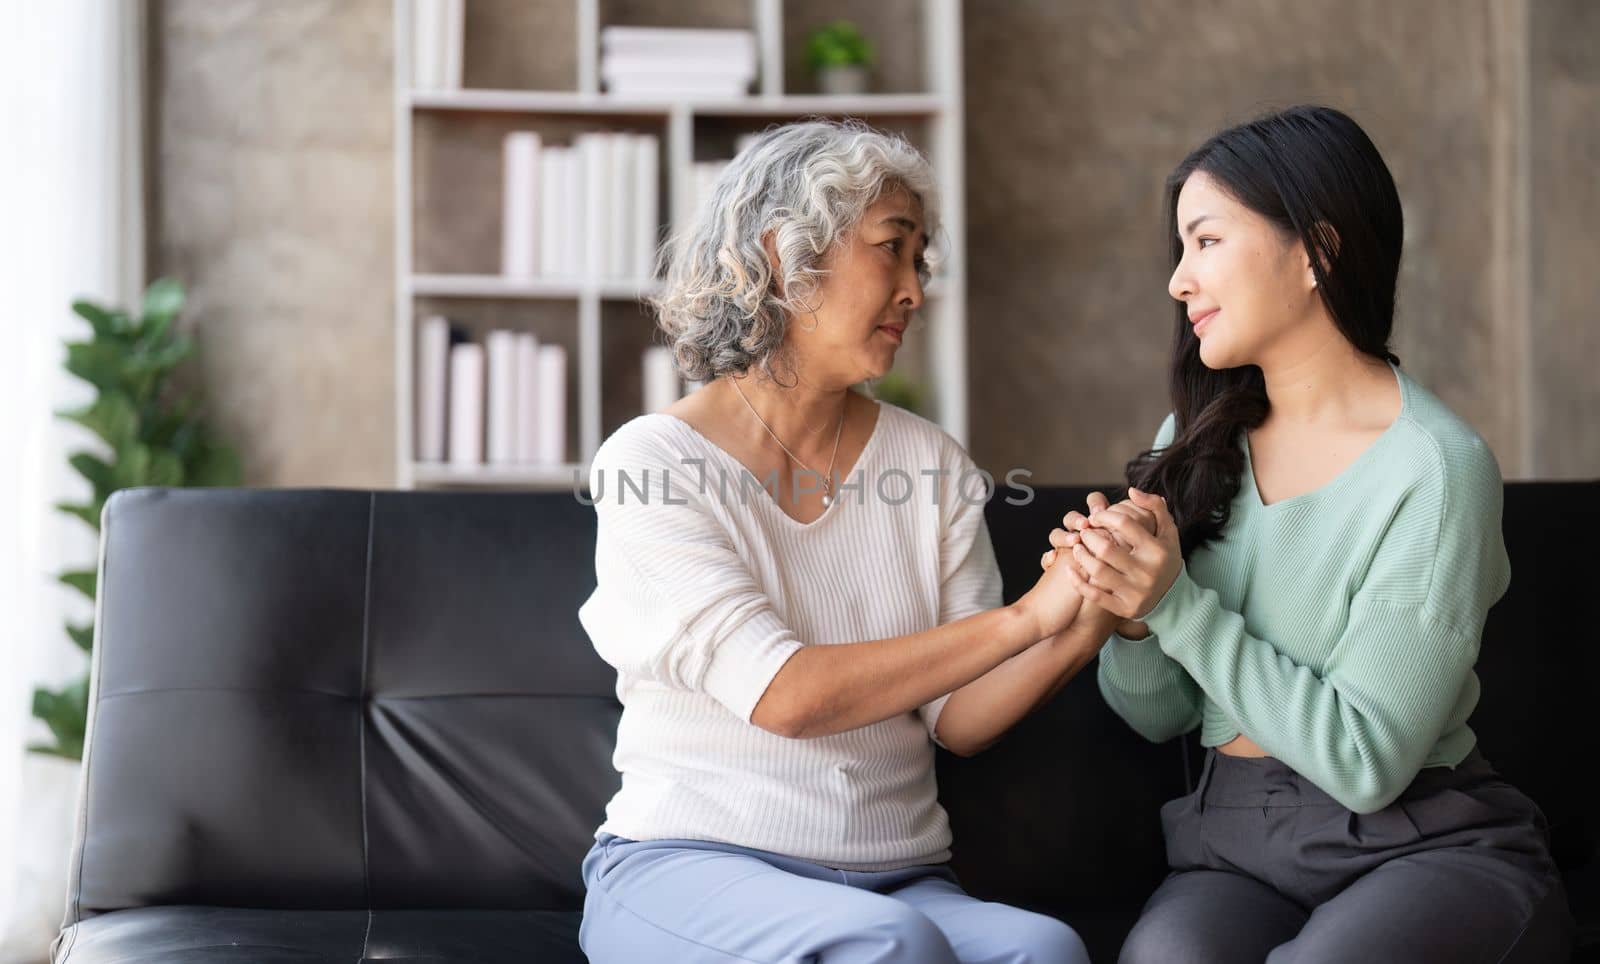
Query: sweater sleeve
{"points": [[673, 601], [1150, 690], [1362, 729], [969, 576]]}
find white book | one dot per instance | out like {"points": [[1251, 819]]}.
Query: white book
{"points": [[527, 447], [552, 407], [433, 359], [619, 229], [595, 149], [646, 206], [576, 245], [519, 208], [667, 88], [560, 165], [552, 180], [466, 403], [454, 34], [660, 379], [502, 408], [664, 65], [676, 40], [427, 44]]}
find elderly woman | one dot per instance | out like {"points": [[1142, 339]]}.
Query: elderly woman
{"points": [[797, 588]]}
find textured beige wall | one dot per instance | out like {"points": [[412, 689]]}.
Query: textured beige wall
{"points": [[1565, 246], [273, 201], [1068, 286]]}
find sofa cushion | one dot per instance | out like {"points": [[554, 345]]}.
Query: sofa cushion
{"points": [[186, 934]]}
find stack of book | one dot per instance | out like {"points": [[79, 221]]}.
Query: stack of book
{"points": [[502, 402], [676, 62], [436, 44], [588, 210]]}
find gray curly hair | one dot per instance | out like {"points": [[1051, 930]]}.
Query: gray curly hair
{"points": [[809, 183]]}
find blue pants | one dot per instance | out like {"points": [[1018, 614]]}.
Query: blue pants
{"points": [[686, 901]]}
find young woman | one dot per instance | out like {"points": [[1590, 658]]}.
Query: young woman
{"points": [[786, 658], [1327, 543]]}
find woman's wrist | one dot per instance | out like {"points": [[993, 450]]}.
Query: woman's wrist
{"points": [[1133, 629], [1026, 618]]}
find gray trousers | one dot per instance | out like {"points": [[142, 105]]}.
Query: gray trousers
{"points": [[1267, 867]]}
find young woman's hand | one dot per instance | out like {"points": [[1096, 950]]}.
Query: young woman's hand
{"points": [[1068, 537], [1125, 557]]}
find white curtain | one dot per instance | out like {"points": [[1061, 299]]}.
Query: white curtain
{"points": [[72, 80]]}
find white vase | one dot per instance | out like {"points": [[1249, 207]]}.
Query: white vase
{"points": [[843, 80], [46, 816]]}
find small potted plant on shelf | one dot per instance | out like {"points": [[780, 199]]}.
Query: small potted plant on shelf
{"points": [[840, 57]]}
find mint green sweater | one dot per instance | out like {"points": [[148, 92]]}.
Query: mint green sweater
{"points": [[1338, 628]]}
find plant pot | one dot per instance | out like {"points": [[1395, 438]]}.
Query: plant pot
{"points": [[46, 816], [843, 80]]}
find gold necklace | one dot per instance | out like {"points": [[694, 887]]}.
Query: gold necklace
{"points": [[827, 481]]}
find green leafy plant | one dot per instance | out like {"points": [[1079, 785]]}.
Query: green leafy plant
{"points": [[155, 439], [900, 391], [839, 44]]}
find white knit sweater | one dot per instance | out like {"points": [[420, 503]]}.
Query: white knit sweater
{"points": [[705, 587]]}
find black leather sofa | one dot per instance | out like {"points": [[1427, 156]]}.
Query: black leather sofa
{"points": [[338, 725]]}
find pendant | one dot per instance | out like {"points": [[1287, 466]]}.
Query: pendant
{"points": [[827, 500]]}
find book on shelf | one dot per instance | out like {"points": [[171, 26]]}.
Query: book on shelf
{"points": [[526, 447], [730, 43], [466, 404], [436, 40], [551, 409], [572, 227], [433, 361], [501, 411], [520, 230]]}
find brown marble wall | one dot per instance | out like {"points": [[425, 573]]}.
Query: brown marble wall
{"points": [[272, 199]]}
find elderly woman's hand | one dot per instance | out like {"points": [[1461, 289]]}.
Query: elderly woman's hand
{"points": [[1070, 538]]}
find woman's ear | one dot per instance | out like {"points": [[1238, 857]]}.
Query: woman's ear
{"points": [[1326, 249], [770, 245]]}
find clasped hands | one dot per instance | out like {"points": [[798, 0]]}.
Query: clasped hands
{"points": [[1123, 557]]}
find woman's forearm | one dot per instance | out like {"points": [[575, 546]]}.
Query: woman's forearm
{"points": [[979, 713], [827, 689]]}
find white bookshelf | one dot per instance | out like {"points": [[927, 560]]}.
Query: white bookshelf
{"points": [[938, 108]]}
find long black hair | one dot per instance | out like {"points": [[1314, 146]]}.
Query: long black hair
{"points": [[1314, 173]]}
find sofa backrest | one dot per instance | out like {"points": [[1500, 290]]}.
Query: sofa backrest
{"points": [[328, 698], [338, 698]]}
